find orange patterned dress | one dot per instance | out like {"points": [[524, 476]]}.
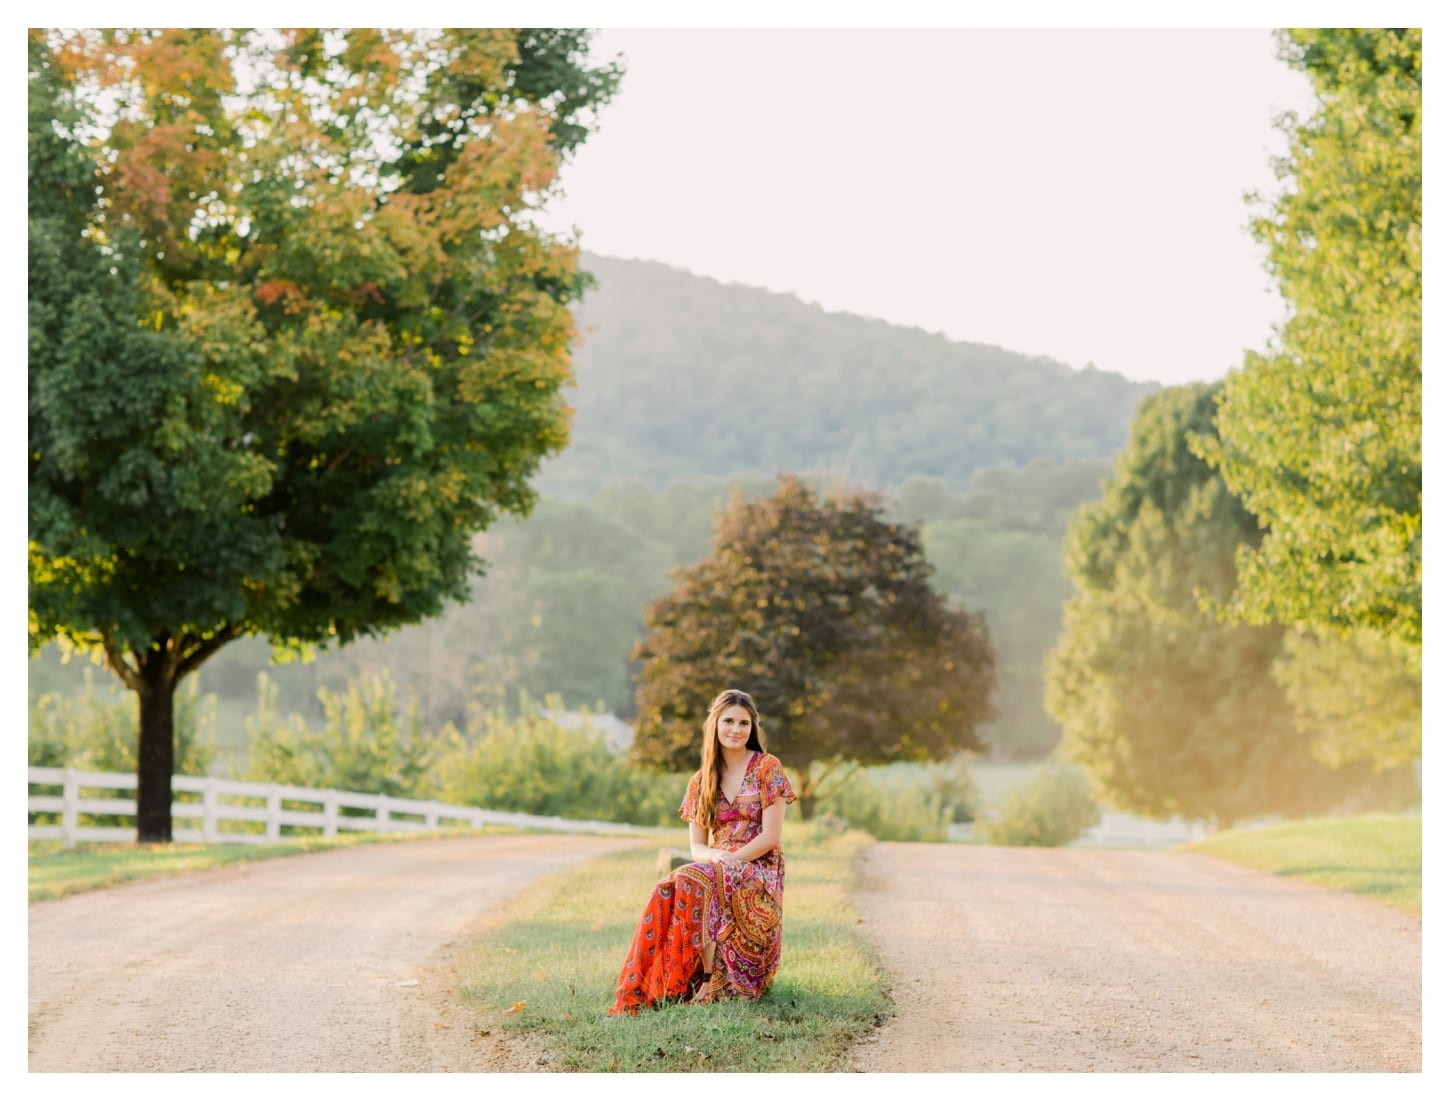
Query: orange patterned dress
{"points": [[737, 904]]}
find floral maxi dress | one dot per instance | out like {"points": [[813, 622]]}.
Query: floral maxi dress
{"points": [[737, 904]]}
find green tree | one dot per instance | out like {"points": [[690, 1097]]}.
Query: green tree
{"points": [[1171, 711], [1357, 696], [823, 611], [294, 335], [1320, 436]]}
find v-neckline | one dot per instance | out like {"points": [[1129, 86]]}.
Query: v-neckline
{"points": [[749, 761]]}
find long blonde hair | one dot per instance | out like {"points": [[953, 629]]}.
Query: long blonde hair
{"points": [[712, 762]]}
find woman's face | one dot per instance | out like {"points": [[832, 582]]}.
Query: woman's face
{"points": [[732, 728]]}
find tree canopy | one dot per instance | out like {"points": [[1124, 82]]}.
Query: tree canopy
{"points": [[823, 611], [1170, 710], [1320, 435], [294, 335]]}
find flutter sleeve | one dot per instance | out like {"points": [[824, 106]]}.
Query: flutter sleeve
{"points": [[691, 800], [773, 783]]}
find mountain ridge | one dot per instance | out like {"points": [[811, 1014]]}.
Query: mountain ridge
{"points": [[685, 376]]}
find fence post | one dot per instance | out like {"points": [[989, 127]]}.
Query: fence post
{"points": [[430, 816], [274, 813], [69, 814], [208, 810], [384, 818], [329, 814]]}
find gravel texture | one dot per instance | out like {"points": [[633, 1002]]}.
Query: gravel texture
{"points": [[1000, 960], [334, 961], [1007, 959]]}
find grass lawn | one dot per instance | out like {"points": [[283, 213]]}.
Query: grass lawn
{"points": [[1375, 855], [558, 955], [56, 872]]}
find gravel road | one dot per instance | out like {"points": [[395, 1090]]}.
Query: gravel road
{"points": [[293, 964], [1006, 959]]}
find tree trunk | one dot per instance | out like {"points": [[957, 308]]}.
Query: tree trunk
{"points": [[155, 748], [805, 791]]}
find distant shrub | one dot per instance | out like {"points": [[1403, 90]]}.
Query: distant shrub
{"points": [[904, 802], [1053, 808], [951, 782], [368, 741], [530, 764]]}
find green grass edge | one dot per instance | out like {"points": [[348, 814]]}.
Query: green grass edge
{"points": [[1376, 856], [56, 872], [547, 972]]}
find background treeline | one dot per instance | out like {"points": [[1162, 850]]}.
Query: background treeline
{"points": [[681, 377], [685, 387], [559, 608]]}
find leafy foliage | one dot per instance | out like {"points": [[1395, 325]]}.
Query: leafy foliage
{"points": [[95, 730], [666, 357], [560, 607], [904, 802], [294, 334], [823, 611], [527, 763], [1171, 711], [367, 742], [1320, 435], [1357, 697], [1054, 808]]}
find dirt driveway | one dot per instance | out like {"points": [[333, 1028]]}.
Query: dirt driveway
{"points": [[295, 964], [1092, 960]]}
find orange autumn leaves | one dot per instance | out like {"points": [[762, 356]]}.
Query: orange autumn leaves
{"points": [[326, 168]]}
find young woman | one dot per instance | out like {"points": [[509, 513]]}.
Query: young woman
{"points": [[712, 929]]}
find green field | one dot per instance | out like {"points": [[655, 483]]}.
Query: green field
{"points": [[1375, 855], [559, 952]]}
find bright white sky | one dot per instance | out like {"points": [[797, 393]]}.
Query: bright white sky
{"points": [[1076, 194]]}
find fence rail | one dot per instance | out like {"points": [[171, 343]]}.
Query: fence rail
{"points": [[322, 809]]}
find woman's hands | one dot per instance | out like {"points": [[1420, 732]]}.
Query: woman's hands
{"points": [[701, 850]]}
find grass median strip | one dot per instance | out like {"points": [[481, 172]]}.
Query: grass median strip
{"points": [[1375, 855], [549, 971]]}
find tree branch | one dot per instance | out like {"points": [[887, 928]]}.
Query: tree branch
{"points": [[117, 661], [205, 648]]}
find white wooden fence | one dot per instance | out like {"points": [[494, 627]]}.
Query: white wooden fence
{"points": [[216, 808]]}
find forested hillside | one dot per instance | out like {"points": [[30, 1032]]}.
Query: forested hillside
{"points": [[682, 377]]}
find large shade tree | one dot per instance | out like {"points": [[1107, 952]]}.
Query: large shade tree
{"points": [[823, 610], [294, 334], [1319, 436], [1170, 710]]}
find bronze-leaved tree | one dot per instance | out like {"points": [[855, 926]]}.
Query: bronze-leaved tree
{"points": [[294, 336], [823, 611]]}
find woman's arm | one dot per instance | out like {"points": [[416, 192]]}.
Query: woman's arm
{"points": [[700, 846], [771, 820]]}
